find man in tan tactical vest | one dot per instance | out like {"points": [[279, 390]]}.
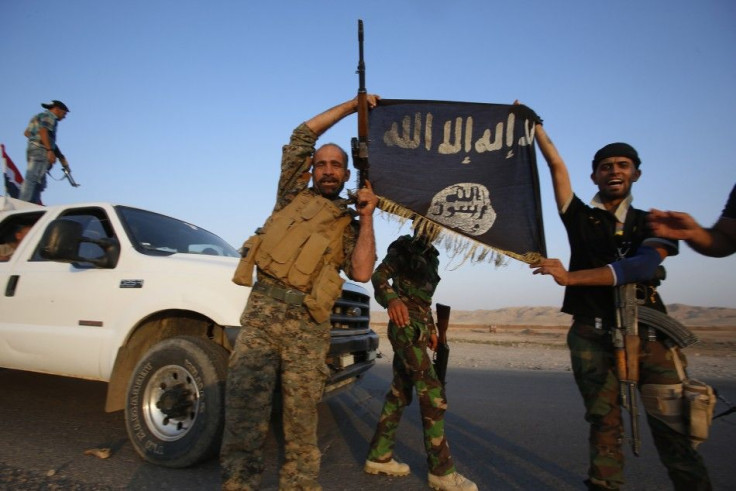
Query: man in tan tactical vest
{"points": [[298, 254]]}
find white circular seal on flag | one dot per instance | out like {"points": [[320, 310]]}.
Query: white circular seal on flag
{"points": [[464, 206]]}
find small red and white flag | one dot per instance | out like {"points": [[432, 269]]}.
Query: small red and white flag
{"points": [[13, 177]]}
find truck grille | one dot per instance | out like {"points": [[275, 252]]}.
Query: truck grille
{"points": [[351, 312], [354, 345]]}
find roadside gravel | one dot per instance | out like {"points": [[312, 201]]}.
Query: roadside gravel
{"points": [[545, 349]]}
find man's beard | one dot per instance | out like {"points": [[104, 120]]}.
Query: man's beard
{"points": [[609, 195], [333, 195]]}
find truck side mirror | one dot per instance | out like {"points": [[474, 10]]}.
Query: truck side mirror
{"points": [[61, 241]]}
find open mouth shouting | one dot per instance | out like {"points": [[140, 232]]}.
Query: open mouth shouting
{"points": [[615, 184]]}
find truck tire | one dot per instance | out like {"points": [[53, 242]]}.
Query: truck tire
{"points": [[174, 408]]}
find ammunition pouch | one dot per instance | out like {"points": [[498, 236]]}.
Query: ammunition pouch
{"points": [[326, 289], [700, 403], [244, 271], [686, 408], [665, 402]]}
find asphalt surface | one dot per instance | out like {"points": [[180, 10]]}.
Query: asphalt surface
{"points": [[508, 430]]}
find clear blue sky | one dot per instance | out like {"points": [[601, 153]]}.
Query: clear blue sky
{"points": [[182, 106]]}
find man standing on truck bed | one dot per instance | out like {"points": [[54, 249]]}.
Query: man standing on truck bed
{"points": [[299, 252], [42, 150]]}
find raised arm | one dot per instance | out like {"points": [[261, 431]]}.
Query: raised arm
{"points": [[364, 254], [557, 168], [325, 120]]}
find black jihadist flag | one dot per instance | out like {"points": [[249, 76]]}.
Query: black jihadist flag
{"points": [[464, 168]]}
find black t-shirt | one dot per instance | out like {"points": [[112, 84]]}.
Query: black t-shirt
{"points": [[593, 243]]}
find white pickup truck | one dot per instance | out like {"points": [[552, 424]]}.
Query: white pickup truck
{"points": [[146, 303]]}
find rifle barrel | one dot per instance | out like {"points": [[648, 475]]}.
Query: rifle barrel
{"points": [[361, 61], [360, 144], [634, 412]]}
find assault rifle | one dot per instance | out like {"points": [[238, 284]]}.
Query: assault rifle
{"points": [[360, 144], [442, 354], [626, 351]]}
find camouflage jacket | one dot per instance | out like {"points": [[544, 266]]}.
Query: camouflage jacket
{"points": [[408, 272]]}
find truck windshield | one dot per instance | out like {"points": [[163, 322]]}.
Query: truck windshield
{"points": [[155, 234]]}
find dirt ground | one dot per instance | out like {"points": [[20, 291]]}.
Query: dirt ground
{"points": [[544, 348]]}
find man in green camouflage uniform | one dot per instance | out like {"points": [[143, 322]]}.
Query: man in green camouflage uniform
{"points": [[284, 338], [404, 284]]}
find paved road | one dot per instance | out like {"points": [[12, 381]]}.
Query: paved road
{"points": [[508, 430]]}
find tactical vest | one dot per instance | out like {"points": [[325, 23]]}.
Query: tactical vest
{"points": [[301, 246]]}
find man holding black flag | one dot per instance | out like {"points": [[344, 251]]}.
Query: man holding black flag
{"points": [[404, 283], [298, 254], [610, 245]]}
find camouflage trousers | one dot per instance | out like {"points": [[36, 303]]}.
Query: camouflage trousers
{"points": [[278, 342], [591, 353], [413, 370]]}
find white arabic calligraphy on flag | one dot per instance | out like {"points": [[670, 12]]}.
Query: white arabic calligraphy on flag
{"points": [[469, 168]]}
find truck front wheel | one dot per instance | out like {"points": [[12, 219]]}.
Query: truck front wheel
{"points": [[174, 409]]}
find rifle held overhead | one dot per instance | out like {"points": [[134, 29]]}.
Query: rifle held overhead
{"points": [[360, 144]]}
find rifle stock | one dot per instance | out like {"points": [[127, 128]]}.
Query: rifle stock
{"points": [[442, 354], [626, 345], [360, 144]]}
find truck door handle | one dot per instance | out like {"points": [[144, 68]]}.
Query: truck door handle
{"points": [[10, 287]]}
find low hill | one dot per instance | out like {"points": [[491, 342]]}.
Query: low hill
{"points": [[551, 316]]}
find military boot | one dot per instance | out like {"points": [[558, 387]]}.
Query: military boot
{"points": [[451, 482], [391, 468]]}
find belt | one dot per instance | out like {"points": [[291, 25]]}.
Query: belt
{"points": [[40, 146], [596, 322], [287, 295], [599, 323]]}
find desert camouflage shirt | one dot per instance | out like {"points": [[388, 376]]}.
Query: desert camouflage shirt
{"points": [[408, 272]]}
